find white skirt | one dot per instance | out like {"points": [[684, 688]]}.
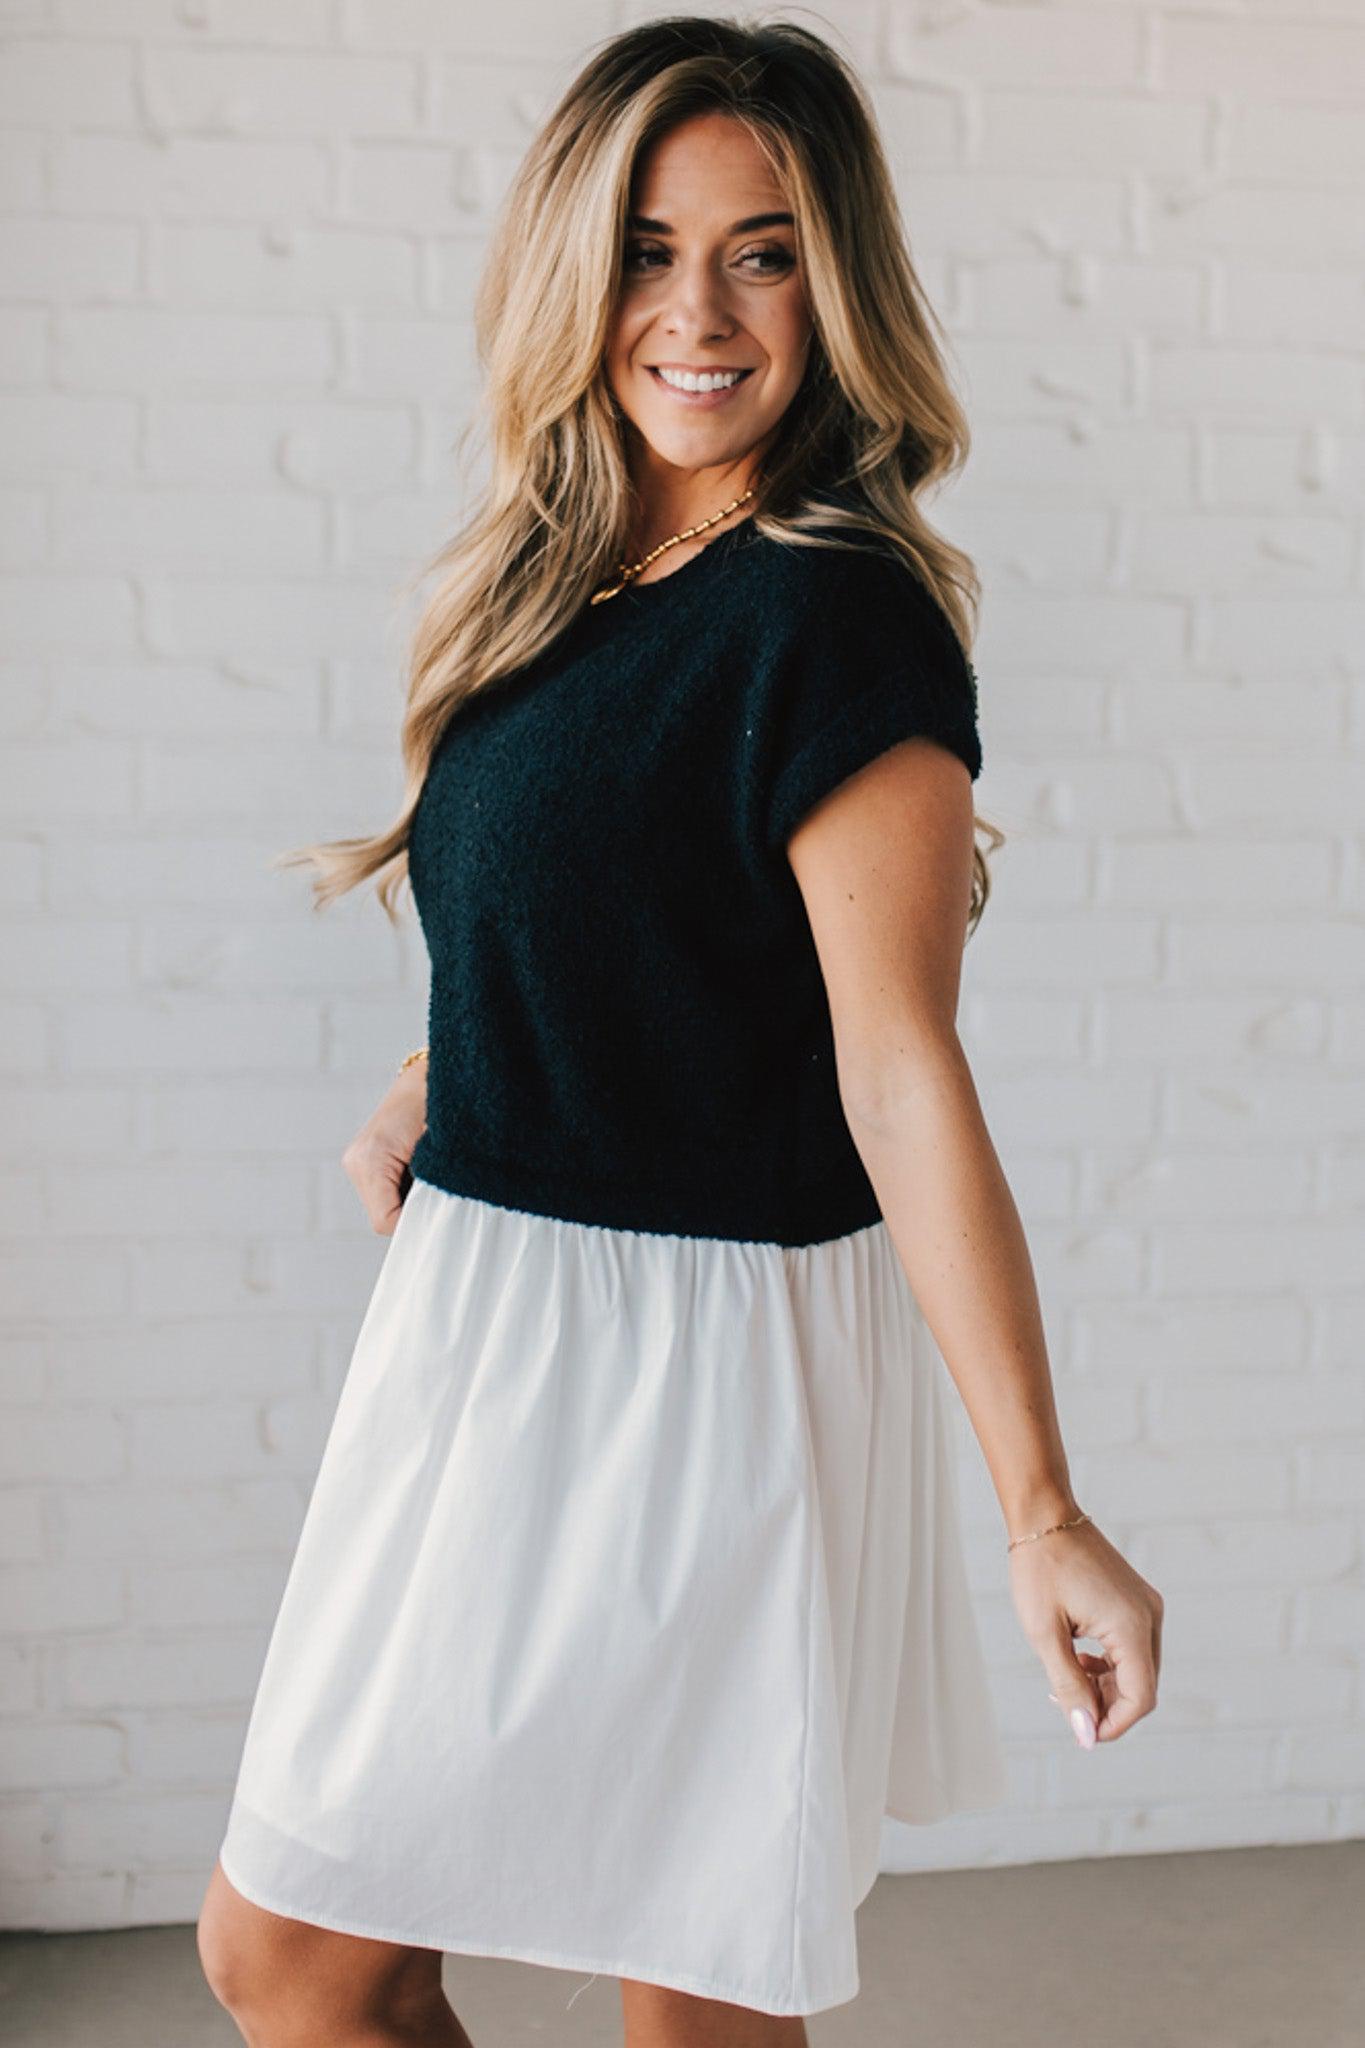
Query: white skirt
{"points": [[630, 1596]]}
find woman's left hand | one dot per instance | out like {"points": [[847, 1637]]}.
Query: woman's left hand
{"points": [[1073, 1582]]}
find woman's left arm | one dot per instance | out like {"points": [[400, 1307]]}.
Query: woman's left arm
{"points": [[884, 866]]}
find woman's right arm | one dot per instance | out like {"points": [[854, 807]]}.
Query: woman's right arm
{"points": [[376, 1160]]}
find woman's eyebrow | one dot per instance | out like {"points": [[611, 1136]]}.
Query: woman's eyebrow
{"points": [[644, 225]]}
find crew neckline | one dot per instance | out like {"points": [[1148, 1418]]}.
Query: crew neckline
{"points": [[650, 591]]}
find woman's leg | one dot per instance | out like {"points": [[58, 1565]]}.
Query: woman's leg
{"points": [[659, 2018], [289, 1984]]}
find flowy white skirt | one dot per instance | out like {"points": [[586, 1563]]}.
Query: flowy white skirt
{"points": [[629, 1597]]}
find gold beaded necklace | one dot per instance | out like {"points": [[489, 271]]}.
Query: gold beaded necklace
{"points": [[630, 572]]}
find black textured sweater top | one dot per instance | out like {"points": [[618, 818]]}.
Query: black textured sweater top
{"points": [[628, 1022]]}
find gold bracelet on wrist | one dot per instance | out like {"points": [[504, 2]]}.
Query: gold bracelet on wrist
{"points": [[1033, 1537], [419, 1054]]}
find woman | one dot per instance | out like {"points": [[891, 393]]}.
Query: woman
{"points": [[630, 1595]]}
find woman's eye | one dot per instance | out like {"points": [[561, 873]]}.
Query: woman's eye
{"points": [[766, 262], [779, 259]]}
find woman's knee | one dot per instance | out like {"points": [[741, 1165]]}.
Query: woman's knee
{"points": [[238, 1951], [285, 1977], [261, 1964], [657, 2016]]}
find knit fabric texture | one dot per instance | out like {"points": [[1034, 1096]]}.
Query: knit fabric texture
{"points": [[628, 1021]]}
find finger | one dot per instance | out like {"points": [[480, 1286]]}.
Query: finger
{"points": [[1072, 1686], [1102, 1671], [384, 1206], [1098, 1667], [1134, 1687]]}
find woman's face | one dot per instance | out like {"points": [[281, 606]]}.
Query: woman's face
{"points": [[710, 281]]}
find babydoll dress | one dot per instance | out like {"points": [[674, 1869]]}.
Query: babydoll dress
{"points": [[630, 1594]]}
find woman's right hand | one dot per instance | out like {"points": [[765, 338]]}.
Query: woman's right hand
{"points": [[376, 1160]]}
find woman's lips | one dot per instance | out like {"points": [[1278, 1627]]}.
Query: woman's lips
{"points": [[701, 400]]}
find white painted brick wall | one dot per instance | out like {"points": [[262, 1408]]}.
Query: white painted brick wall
{"points": [[238, 242]]}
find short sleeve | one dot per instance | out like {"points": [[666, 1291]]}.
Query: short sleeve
{"points": [[872, 660]]}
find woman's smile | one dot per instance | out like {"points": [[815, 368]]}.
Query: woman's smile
{"points": [[703, 400]]}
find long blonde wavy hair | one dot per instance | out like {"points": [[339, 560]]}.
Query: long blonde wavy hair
{"points": [[873, 427]]}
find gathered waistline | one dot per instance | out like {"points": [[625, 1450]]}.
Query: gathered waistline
{"points": [[806, 1222]]}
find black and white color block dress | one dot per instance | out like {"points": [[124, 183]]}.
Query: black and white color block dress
{"points": [[630, 1594]]}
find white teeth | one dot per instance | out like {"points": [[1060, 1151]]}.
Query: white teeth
{"points": [[686, 380]]}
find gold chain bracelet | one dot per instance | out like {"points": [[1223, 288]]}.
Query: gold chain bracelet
{"points": [[420, 1054], [1033, 1538]]}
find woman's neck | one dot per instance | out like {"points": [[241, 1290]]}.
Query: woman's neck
{"points": [[659, 527]]}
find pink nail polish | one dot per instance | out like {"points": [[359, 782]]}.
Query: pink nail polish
{"points": [[1084, 1726]]}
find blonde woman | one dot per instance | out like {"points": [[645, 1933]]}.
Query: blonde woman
{"points": [[631, 1595]]}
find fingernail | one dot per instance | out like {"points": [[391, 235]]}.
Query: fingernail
{"points": [[1055, 1701], [1084, 1726]]}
